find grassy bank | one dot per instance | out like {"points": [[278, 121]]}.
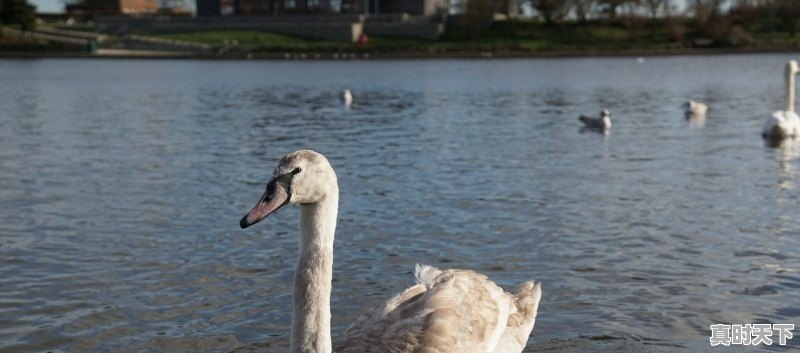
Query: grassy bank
{"points": [[520, 37]]}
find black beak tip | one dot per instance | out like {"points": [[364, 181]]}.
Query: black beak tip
{"points": [[243, 223]]}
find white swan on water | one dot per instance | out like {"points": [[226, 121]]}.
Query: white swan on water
{"points": [[346, 97], [785, 123], [695, 109], [446, 311]]}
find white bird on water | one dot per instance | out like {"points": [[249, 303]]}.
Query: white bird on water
{"points": [[445, 311], [696, 109], [601, 122], [346, 97], [784, 123]]}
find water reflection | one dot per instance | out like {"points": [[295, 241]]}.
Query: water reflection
{"points": [[695, 120], [786, 152]]}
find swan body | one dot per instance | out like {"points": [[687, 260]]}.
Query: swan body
{"points": [[785, 123], [781, 125], [445, 311], [601, 122], [696, 109], [346, 97]]}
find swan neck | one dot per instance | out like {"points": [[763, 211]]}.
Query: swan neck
{"points": [[789, 90], [311, 323]]}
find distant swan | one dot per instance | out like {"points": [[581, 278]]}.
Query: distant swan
{"points": [[695, 109], [601, 122], [446, 311], [346, 97], [785, 123]]}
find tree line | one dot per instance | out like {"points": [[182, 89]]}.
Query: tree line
{"points": [[17, 12], [710, 15], [714, 19]]}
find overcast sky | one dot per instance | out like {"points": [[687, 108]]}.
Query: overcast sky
{"points": [[57, 6]]}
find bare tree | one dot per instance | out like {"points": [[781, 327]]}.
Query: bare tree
{"points": [[745, 13], [612, 6], [551, 10], [583, 8], [656, 7], [708, 18], [714, 7]]}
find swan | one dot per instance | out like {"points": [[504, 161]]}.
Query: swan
{"points": [[445, 311], [784, 123], [695, 109], [602, 122], [346, 97]]}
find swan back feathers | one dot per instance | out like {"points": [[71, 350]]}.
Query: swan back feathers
{"points": [[447, 311], [782, 124]]}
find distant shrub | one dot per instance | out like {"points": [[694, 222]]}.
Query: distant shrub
{"points": [[738, 36], [676, 30]]}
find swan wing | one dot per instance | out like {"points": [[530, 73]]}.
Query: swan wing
{"points": [[771, 122], [447, 311], [521, 318], [782, 124]]}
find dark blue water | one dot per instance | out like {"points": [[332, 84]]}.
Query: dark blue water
{"points": [[122, 184]]}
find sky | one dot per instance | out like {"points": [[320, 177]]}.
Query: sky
{"points": [[48, 6], [57, 6]]}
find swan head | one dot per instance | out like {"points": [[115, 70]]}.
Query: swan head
{"points": [[605, 114], [792, 68], [301, 177], [690, 104]]}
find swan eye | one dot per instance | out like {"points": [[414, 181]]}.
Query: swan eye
{"points": [[297, 170]]}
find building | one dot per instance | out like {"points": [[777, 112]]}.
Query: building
{"points": [[114, 7], [276, 7], [412, 7]]}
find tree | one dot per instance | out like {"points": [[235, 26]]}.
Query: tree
{"points": [[745, 13], [656, 7], [789, 12], [478, 15], [551, 10], [612, 6], [18, 12], [583, 8], [709, 19], [712, 6]]}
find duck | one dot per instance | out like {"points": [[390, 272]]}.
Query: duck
{"points": [[601, 122], [695, 109]]}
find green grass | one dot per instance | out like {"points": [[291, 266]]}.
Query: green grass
{"points": [[510, 36], [251, 39]]}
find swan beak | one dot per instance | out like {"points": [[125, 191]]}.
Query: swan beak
{"points": [[274, 198]]}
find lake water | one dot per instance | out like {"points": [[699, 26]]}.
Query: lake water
{"points": [[122, 184]]}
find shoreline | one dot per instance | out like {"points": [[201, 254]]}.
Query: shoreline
{"points": [[366, 55]]}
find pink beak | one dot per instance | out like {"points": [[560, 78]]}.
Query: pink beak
{"points": [[274, 198]]}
